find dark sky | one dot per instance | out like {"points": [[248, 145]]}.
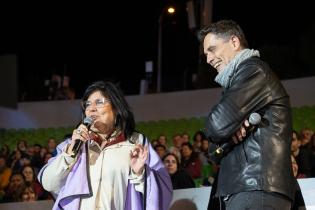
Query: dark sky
{"points": [[113, 41]]}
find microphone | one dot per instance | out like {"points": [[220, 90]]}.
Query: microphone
{"points": [[254, 119], [88, 121]]}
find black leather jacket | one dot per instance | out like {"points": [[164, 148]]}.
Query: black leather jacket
{"points": [[262, 161]]}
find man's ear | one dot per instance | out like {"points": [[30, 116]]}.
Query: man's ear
{"points": [[235, 41]]}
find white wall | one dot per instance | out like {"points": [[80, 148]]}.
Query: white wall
{"points": [[173, 105]]}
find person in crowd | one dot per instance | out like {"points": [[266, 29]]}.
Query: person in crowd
{"points": [[22, 145], [162, 139], [114, 168], [306, 135], [190, 161], [256, 171], [304, 156], [5, 173], [51, 146], [47, 156], [28, 194], [154, 142], [36, 160], [197, 138], [30, 179], [185, 137], [18, 160], [299, 157], [5, 151], [180, 178], [14, 190], [298, 202], [160, 150], [204, 152], [177, 145]]}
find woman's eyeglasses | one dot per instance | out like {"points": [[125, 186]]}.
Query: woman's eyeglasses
{"points": [[99, 103]]}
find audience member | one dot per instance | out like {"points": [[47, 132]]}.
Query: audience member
{"points": [[180, 178], [160, 150], [5, 173], [190, 161]]}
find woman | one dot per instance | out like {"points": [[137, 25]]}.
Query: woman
{"points": [[28, 194], [31, 181], [180, 178], [190, 161], [116, 168], [14, 190]]}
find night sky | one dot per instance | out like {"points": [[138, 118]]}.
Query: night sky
{"points": [[113, 41]]}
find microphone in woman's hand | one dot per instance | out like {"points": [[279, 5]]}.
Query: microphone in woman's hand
{"points": [[88, 121]]}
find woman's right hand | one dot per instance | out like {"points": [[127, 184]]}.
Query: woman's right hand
{"points": [[81, 133]]}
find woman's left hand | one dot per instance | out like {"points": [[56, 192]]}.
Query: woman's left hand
{"points": [[138, 158]]}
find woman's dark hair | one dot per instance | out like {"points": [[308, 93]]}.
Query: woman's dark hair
{"points": [[124, 118], [201, 133]]}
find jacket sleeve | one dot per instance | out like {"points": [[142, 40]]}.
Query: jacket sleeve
{"points": [[249, 91], [53, 175]]}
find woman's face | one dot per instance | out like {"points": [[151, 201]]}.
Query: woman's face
{"points": [[186, 151], [28, 174], [22, 145], [51, 143], [170, 164], [16, 181], [28, 194], [102, 113]]}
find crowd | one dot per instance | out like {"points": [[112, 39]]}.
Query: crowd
{"points": [[19, 168], [186, 159]]}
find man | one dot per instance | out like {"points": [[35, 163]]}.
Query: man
{"points": [[256, 173]]}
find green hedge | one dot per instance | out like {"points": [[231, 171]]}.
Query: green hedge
{"points": [[302, 117]]}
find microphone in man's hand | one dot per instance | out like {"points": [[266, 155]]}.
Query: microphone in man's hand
{"points": [[88, 121], [254, 119]]}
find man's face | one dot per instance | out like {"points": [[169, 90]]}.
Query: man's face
{"points": [[220, 51]]}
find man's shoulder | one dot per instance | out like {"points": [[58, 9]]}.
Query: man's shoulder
{"points": [[253, 66], [254, 61]]}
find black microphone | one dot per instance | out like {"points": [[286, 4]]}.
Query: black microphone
{"points": [[88, 121], [254, 119]]}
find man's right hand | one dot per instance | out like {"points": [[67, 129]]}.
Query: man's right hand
{"points": [[241, 133]]}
